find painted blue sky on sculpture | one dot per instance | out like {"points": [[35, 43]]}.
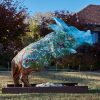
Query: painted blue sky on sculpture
{"points": [[63, 41]]}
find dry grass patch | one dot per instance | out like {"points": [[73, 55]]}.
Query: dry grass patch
{"points": [[92, 79]]}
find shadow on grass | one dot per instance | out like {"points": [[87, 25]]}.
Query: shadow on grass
{"points": [[59, 77], [94, 74], [94, 91]]}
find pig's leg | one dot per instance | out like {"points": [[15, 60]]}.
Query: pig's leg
{"points": [[15, 73], [24, 76]]}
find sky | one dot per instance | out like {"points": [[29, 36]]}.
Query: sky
{"points": [[52, 5]]}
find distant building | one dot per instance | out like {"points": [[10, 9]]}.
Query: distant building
{"points": [[90, 18]]}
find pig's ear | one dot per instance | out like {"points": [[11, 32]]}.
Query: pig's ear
{"points": [[88, 37], [88, 31], [55, 27], [60, 23]]}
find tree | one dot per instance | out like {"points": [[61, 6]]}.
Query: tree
{"points": [[13, 25], [12, 22], [33, 34], [43, 19]]}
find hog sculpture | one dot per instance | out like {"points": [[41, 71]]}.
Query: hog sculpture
{"points": [[63, 41]]}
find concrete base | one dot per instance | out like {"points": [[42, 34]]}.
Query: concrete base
{"points": [[67, 88]]}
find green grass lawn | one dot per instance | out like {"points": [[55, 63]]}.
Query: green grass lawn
{"points": [[91, 79]]}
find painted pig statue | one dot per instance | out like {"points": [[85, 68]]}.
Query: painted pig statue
{"points": [[63, 41]]}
